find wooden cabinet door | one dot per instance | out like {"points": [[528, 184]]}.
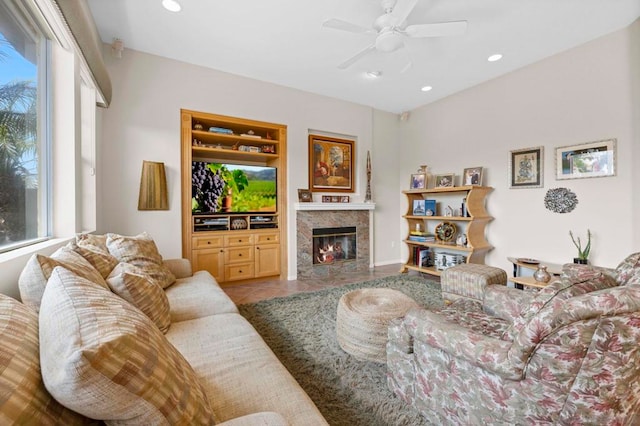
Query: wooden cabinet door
{"points": [[267, 257], [211, 260]]}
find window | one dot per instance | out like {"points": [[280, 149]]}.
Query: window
{"points": [[24, 204]]}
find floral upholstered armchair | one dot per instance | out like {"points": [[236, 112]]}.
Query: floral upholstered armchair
{"points": [[568, 354]]}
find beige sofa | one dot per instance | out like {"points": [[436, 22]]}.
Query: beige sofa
{"points": [[104, 340]]}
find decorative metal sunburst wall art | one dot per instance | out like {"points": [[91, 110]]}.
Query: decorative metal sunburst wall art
{"points": [[560, 200]]}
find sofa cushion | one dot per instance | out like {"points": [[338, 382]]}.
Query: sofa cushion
{"points": [[141, 251], [37, 271], [23, 397], [128, 282], [104, 358], [239, 371], [628, 271], [94, 249], [198, 296]]}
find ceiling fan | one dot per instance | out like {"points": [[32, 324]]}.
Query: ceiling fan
{"points": [[391, 30]]}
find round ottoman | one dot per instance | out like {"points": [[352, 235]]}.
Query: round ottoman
{"points": [[363, 318]]}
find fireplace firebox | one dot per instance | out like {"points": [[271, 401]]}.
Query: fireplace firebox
{"points": [[333, 245]]}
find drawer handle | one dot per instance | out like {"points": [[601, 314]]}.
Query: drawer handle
{"points": [[257, 248], [268, 239], [239, 254], [240, 271], [208, 242], [239, 241]]}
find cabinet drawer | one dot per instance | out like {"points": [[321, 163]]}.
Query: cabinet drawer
{"points": [[238, 240], [240, 271], [267, 238], [238, 254], [207, 242]]}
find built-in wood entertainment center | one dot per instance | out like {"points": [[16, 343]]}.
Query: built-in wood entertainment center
{"points": [[234, 246]]}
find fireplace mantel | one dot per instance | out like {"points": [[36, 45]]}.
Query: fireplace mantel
{"points": [[334, 206]]}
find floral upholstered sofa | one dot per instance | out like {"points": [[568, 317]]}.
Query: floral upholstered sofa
{"points": [[568, 354]]}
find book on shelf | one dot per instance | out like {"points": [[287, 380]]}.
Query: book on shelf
{"points": [[420, 233], [422, 256], [249, 135], [221, 130], [422, 239], [430, 207]]}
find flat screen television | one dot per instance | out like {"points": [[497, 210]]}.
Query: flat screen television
{"points": [[232, 188]]}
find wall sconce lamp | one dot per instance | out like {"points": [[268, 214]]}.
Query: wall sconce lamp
{"points": [[153, 187]]}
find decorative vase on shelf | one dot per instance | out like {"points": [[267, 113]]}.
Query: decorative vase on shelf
{"points": [[541, 274]]}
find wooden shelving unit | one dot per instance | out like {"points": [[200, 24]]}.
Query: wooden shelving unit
{"points": [[212, 241], [473, 225]]}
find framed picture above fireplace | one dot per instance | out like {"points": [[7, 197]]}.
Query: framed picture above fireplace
{"points": [[331, 164]]}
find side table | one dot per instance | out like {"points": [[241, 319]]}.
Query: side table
{"points": [[521, 280]]}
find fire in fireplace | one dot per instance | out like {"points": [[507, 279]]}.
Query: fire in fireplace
{"points": [[331, 245]]}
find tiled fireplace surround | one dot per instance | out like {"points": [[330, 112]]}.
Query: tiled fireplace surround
{"points": [[319, 215]]}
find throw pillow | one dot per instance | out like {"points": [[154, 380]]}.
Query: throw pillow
{"points": [[141, 251], [628, 271], [128, 282], [94, 249], [105, 359], [34, 276], [23, 397], [586, 281]]}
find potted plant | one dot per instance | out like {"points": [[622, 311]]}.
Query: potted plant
{"points": [[583, 254]]}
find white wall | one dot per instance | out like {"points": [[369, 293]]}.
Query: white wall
{"points": [[578, 96], [143, 123]]}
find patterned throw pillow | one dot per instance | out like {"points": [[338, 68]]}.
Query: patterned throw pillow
{"points": [[37, 271], [104, 358], [23, 397], [585, 280], [94, 249], [141, 251], [128, 282], [628, 271]]}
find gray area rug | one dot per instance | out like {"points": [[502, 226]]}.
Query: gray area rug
{"points": [[300, 329]]}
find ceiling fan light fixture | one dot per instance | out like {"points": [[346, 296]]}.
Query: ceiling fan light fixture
{"points": [[494, 58], [389, 41], [426, 88], [171, 5]]}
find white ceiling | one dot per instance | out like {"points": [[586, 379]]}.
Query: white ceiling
{"points": [[283, 41]]}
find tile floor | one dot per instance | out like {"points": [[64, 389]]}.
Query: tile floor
{"points": [[269, 288]]}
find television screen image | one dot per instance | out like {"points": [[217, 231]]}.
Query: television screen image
{"points": [[232, 188]]}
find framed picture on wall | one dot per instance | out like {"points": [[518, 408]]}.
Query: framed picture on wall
{"points": [[331, 164], [592, 159], [526, 167]]}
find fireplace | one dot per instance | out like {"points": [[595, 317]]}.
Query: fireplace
{"points": [[332, 245], [320, 225]]}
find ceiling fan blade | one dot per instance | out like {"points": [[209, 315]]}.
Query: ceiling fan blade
{"points": [[402, 9], [440, 29], [339, 24], [409, 63], [346, 64]]}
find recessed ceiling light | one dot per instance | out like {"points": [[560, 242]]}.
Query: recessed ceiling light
{"points": [[374, 74], [171, 5], [494, 58], [426, 88]]}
